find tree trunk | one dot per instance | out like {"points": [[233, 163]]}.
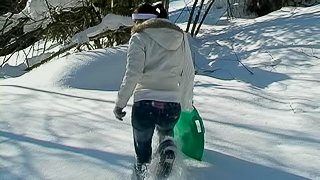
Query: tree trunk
{"points": [[204, 16], [166, 4], [197, 18], [191, 14], [263, 7]]}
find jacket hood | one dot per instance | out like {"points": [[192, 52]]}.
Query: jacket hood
{"points": [[165, 33]]}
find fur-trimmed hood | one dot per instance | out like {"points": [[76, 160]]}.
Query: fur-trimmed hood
{"points": [[165, 33]]}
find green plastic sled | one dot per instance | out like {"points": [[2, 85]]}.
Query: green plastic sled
{"points": [[189, 134]]}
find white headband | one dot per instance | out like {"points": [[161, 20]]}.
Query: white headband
{"points": [[143, 16]]}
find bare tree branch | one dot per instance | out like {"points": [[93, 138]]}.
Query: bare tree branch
{"points": [[204, 17], [191, 14], [65, 49], [197, 18]]}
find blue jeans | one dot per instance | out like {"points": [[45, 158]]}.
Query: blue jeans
{"points": [[148, 115]]}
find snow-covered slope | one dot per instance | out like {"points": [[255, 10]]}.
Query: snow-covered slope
{"points": [[56, 122]]}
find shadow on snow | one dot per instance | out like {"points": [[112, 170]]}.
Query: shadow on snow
{"points": [[107, 157], [222, 166]]}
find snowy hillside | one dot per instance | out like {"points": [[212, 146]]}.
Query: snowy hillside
{"points": [[257, 89]]}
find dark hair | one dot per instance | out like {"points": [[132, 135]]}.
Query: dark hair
{"points": [[152, 9]]}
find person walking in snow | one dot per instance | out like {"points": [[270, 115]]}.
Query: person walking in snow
{"points": [[160, 74]]}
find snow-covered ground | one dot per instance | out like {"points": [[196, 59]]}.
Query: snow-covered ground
{"points": [[56, 122]]}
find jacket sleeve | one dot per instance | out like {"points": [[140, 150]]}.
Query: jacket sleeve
{"points": [[187, 78], [134, 70]]}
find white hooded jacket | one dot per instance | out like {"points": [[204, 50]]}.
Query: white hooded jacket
{"points": [[159, 65]]}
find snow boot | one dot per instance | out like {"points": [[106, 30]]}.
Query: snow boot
{"points": [[141, 171], [167, 151]]}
